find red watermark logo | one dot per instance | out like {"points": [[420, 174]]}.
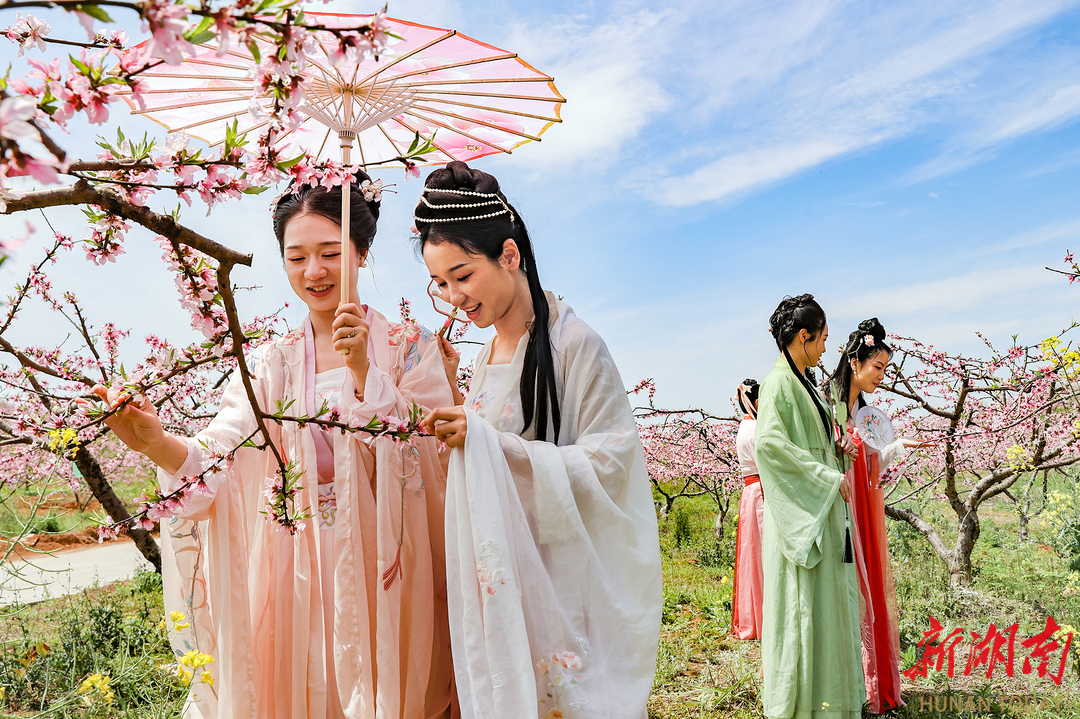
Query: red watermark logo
{"points": [[992, 648]]}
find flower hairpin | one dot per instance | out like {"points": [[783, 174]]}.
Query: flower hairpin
{"points": [[274, 202], [373, 189], [868, 340]]}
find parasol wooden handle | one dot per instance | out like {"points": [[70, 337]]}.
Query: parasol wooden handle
{"points": [[346, 207]]}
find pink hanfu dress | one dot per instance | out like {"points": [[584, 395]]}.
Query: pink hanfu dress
{"points": [[747, 591], [305, 625]]}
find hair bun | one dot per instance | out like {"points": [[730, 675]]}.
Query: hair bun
{"points": [[459, 176], [873, 328], [784, 317]]}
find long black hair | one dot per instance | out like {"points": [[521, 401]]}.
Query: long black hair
{"points": [[308, 200], [465, 207], [862, 344], [791, 315]]}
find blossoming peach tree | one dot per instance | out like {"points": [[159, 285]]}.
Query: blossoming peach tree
{"points": [[47, 408], [996, 427], [689, 452]]}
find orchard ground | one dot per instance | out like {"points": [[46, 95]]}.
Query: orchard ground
{"points": [[50, 649]]}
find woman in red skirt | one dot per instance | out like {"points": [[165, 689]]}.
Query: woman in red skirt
{"points": [[861, 369], [746, 594]]}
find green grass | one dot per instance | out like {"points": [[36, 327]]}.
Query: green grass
{"points": [[701, 672], [52, 506], [48, 650]]}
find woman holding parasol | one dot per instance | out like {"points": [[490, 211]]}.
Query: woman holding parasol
{"points": [[347, 617]]}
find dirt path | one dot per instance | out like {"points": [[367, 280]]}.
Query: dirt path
{"points": [[33, 578]]}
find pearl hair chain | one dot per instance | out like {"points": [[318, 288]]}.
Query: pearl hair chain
{"points": [[492, 198]]}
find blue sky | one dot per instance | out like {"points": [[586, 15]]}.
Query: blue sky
{"points": [[918, 162]]}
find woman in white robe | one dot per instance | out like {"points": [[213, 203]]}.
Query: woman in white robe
{"points": [[553, 563], [345, 617]]}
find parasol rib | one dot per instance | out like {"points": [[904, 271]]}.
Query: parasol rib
{"points": [[451, 129], [209, 121], [494, 95], [213, 63], [406, 56], [504, 110], [389, 139], [483, 80], [455, 65], [187, 76], [472, 121], [215, 101]]}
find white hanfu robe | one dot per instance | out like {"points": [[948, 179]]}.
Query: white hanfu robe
{"points": [[553, 558]]}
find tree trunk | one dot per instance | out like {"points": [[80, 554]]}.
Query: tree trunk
{"points": [[95, 478], [967, 534], [958, 566]]}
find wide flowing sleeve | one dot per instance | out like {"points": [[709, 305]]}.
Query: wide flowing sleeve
{"points": [[233, 423], [799, 487], [417, 375], [889, 454], [554, 583]]}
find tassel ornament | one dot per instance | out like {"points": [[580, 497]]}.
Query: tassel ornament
{"points": [[394, 570], [849, 556]]}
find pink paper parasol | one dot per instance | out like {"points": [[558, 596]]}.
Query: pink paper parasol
{"points": [[475, 99]]}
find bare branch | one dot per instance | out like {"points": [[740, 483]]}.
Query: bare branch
{"points": [[84, 193]]}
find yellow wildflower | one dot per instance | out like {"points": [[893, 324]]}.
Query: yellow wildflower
{"points": [[1019, 458], [60, 440], [100, 683], [179, 624], [206, 677], [195, 659]]}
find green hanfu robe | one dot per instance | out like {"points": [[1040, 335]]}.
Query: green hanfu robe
{"points": [[810, 646]]}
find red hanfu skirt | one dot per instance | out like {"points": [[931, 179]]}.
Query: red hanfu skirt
{"points": [[880, 622]]}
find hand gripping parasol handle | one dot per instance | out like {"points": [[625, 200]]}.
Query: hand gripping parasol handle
{"points": [[346, 137]]}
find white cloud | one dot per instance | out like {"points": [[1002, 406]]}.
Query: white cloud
{"points": [[818, 109], [1054, 231], [606, 72], [1045, 107], [982, 287], [745, 171], [1063, 105]]}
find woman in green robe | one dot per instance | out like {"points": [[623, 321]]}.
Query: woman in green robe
{"points": [[811, 632]]}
